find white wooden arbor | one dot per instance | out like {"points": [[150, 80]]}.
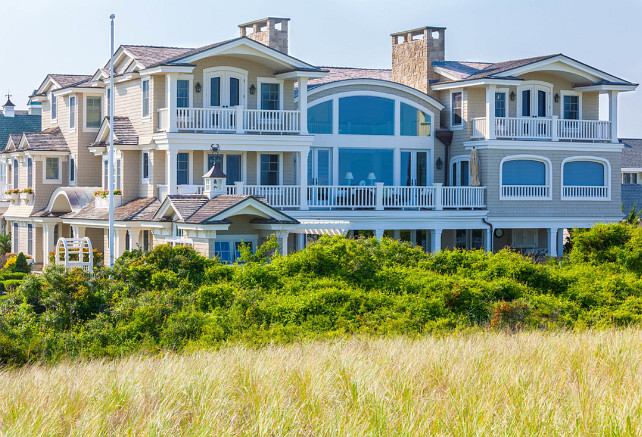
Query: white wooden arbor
{"points": [[75, 253]]}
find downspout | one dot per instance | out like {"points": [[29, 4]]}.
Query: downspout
{"points": [[492, 235]]}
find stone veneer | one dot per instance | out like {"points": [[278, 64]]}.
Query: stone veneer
{"points": [[413, 53], [265, 32]]}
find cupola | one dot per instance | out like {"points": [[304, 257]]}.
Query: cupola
{"points": [[214, 182], [9, 108]]}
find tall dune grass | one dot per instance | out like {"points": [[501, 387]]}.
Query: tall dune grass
{"points": [[530, 383]]}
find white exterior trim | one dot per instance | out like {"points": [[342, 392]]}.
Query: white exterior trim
{"points": [[548, 176], [564, 93], [607, 177], [543, 145], [262, 80], [85, 97], [450, 116]]}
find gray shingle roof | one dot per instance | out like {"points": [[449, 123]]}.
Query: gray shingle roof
{"points": [[465, 70], [631, 153], [16, 126], [342, 73], [70, 80], [124, 132], [142, 209], [50, 139]]}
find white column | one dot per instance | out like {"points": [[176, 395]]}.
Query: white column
{"points": [[303, 180], [300, 241], [170, 100], [435, 240], [170, 178], [303, 104], [552, 242], [378, 233], [489, 240], [490, 111], [284, 243], [560, 242], [48, 245], [438, 196], [120, 242], [79, 231], [134, 235], [379, 196], [613, 115]]}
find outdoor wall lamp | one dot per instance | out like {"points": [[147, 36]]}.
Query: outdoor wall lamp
{"points": [[512, 95], [252, 89], [557, 97], [439, 163], [198, 87]]}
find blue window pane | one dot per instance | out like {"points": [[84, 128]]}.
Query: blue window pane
{"points": [[500, 104], [584, 174], [215, 91], [270, 96], [366, 115], [366, 166], [234, 91], [182, 168], [541, 104], [320, 118], [222, 251], [269, 169], [182, 93], [523, 172], [414, 122]]}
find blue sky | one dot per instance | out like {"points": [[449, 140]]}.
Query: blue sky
{"points": [[72, 36]]}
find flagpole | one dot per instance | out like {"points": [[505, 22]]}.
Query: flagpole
{"points": [[110, 171]]}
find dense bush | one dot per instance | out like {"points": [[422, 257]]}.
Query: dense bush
{"points": [[173, 298]]}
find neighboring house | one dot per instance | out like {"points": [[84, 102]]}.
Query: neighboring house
{"points": [[631, 174], [235, 141]]}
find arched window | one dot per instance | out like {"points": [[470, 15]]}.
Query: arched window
{"points": [[320, 118], [525, 177], [366, 115], [585, 179], [414, 122]]}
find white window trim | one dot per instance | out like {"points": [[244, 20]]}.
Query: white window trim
{"points": [[75, 169], [506, 93], [549, 177], [146, 180], [52, 97], [224, 72], [258, 168], [457, 160], [260, 81], [190, 79], [190, 166], [146, 118], [536, 85], [564, 93], [535, 234], [85, 127], [607, 178], [72, 129], [450, 104], [44, 171]]}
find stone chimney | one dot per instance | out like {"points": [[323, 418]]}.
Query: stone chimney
{"points": [[413, 52], [9, 109], [271, 31]]}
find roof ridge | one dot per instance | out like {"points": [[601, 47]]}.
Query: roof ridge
{"points": [[354, 68], [156, 47]]}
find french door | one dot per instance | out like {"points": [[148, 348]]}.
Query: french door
{"points": [[414, 168], [535, 102], [319, 166], [224, 89]]}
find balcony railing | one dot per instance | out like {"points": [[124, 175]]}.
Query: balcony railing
{"points": [[585, 193], [533, 128], [229, 120], [525, 192]]}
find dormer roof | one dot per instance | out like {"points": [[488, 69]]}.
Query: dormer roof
{"points": [[61, 81]]}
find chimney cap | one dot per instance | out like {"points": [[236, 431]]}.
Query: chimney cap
{"points": [[406, 32], [264, 20]]}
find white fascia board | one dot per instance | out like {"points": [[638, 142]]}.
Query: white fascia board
{"points": [[40, 99], [45, 85], [605, 88], [543, 145], [276, 227], [301, 73], [203, 226], [376, 82], [631, 169], [240, 142], [46, 219], [566, 60], [126, 77], [77, 90], [162, 69], [535, 222], [167, 203], [477, 82]]}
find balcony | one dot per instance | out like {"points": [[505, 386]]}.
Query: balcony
{"points": [[340, 197], [545, 129], [237, 120]]}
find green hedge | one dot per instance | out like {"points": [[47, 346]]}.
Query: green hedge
{"points": [[173, 298]]}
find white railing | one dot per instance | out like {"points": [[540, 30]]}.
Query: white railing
{"points": [[278, 196], [523, 128], [591, 130], [163, 122], [335, 196], [271, 121], [3, 188], [463, 197], [520, 192], [480, 127], [584, 193], [206, 119], [190, 189], [408, 197]]}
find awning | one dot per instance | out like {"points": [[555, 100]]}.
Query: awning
{"points": [[322, 227]]}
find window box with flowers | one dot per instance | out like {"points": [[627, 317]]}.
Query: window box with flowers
{"points": [[27, 195], [12, 195], [102, 198]]}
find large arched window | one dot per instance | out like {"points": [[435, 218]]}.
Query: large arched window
{"points": [[366, 115], [525, 177], [585, 178]]}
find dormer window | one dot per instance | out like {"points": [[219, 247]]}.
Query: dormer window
{"points": [[54, 107], [72, 112]]}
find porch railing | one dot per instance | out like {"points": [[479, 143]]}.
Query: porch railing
{"points": [[533, 128], [278, 196], [584, 193], [525, 192]]}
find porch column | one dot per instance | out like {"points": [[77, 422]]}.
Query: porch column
{"points": [[284, 242], [79, 231], [489, 240], [170, 170], [378, 233], [171, 84], [48, 243], [490, 111], [300, 241], [134, 235], [560, 242], [613, 115], [303, 179], [435, 240], [121, 235], [303, 104], [552, 242]]}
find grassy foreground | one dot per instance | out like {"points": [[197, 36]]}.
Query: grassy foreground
{"points": [[531, 383]]}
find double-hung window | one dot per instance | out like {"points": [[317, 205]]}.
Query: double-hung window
{"points": [[182, 168], [270, 96], [54, 107], [146, 166], [72, 112], [500, 104], [145, 93], [72, 169], [29, 172], [456, 109], [16, 238], [16, 174], [30, 239], [93, 112], [52, 170], [571, 109], [182, 93], [269, 169]]}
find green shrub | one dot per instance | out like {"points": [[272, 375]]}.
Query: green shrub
{"points": [[11, 284], [21, 265]]}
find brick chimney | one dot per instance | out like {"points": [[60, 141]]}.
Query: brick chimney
{"points": [[413, 52], [271, 31]]}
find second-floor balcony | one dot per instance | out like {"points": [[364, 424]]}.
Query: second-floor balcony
{"points": [[535, 128], [237, 120], [376, 197]]}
